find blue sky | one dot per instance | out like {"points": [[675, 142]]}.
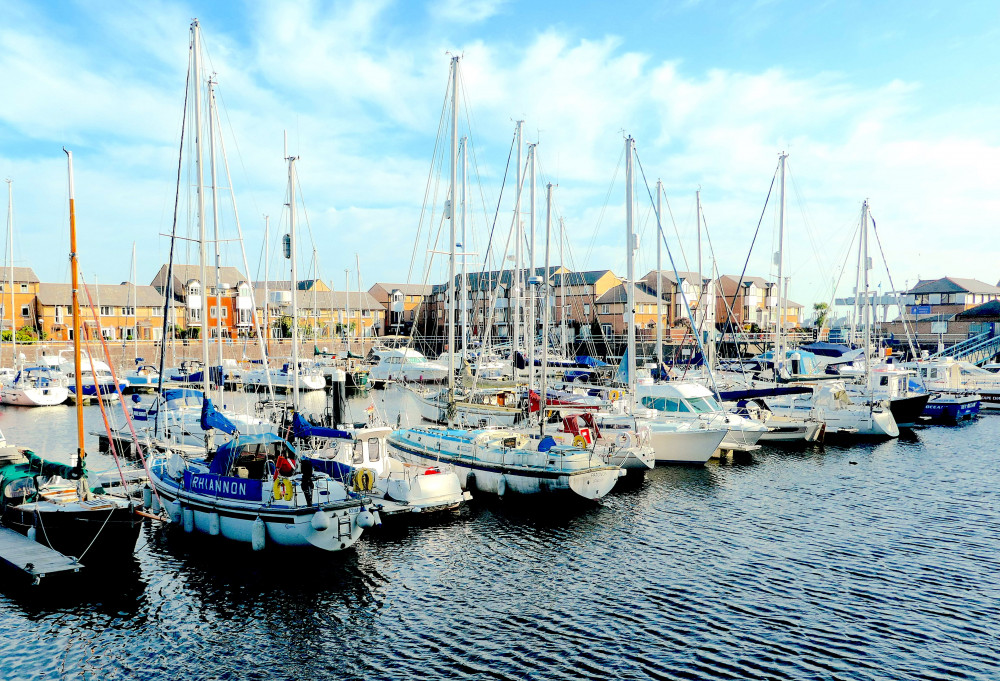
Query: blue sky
{"points": [[897, 102]]}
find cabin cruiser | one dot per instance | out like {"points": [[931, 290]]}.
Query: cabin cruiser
{"points": [[309, 376], [360, 457], [950, 376], [830, 402], [96, 376], [892, 383], [405, 364]]}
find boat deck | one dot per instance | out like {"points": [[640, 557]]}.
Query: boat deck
{"points": [[34, 558]]}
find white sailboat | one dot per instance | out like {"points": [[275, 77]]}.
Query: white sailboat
{"points": [[27, 386], [497, 461]]}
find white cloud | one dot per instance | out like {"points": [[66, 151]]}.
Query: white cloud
{"points": [[466, 11]]}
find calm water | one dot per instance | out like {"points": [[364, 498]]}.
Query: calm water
{"points": [[878, 561]]}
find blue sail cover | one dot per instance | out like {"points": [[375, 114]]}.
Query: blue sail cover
{"points": [[826, 349], [588, 361], [302, 429], [211, 417]]}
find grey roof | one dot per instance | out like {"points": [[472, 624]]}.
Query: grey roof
{"points": [[618, 294], [759, 282], [118, 295], [327, 300], [185, 273], [407, 289], [953, 285], [990, 310], [478, 281], [286, 284], [22, 275], [672, 278], [588, 278]]}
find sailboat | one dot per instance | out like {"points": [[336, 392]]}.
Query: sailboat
{"points": [[498, 460], [254, 488], [30, 386], [52, 502]]}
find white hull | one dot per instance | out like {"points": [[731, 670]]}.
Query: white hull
{"points": [[34, 397], [499, 471], [478, 415], [685, 446], [284, 381]]}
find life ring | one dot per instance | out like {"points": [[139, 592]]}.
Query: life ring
{"points": [[624, 439], [501, 399], [364, 480], [283, 489], [580, 442], [614, 395]]}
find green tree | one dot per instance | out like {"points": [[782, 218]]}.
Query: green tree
{"points": [[822, 310]]}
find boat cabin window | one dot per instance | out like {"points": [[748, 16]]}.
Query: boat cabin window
{"points": [[666, 404], [359, 452], [20, 488], [703, 405], [884, 380], [373, 449]]}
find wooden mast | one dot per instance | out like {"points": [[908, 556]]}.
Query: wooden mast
{"points": [[78, 379]]}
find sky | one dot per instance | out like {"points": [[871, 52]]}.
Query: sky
{"points": [[896, 103]]}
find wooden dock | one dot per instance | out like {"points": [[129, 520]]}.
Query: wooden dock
{"points": [[36, 559]]}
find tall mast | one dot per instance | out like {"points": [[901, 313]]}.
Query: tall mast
{"points": [[630, 271], [315, 269], [562, 291], [215, 225], [515, 279], [453, 167], [463, 283], [531, 270], [347, 309], [545, 312], [659, 277], [294, 283], [10, 247], [700, 311], [779, 332], [135, 308], [361, 325], [200, 193], [267, 302], [866, 311], [77, 328]]}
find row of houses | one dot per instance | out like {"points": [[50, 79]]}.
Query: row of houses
{"points": [[580, 302]]}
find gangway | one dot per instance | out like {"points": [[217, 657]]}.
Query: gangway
{"points": [[976, 350], [28, 555]]}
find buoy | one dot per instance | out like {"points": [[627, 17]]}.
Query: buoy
{"points": [[257, 535], [366, 519], [319, 521], [188, 516], [155, 506], [147, 497], [32, 534], [175, 514], [470, 481], [502, 486], [213, 524]]}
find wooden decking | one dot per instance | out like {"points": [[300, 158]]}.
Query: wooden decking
{"points": [[34, 558]]}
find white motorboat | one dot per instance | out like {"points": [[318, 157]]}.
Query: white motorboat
{"points": [[406, 364], [831, 404], [691, 403], [35, 387], [360, 457], [946, 375], [143, 376], [96, 376], [309, 377]]}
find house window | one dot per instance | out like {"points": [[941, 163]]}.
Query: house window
{"points": [[586, 309], [212, 312], [606, 329], [947, 298], [25, 311], [196, 314], [106, 311], [225, 313], [24, 288], [128, 311], [605, 309], [107, 332]]}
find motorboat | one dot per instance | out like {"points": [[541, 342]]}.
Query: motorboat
{"points": [[360, 457], [947, 375], [143, 376], [96, 376], [405, 364], [309, 376], [831, 403]]}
